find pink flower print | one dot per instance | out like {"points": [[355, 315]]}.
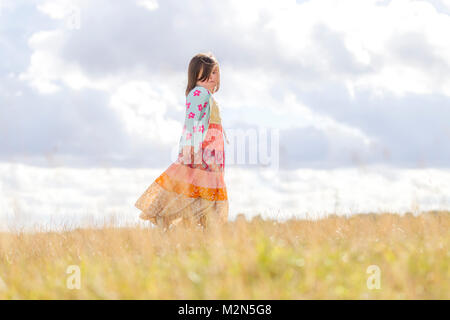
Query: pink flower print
{"points": [[193, 129], [200, 107], [191, 115], [205, 104], [188, 105], [188, 135], [201, 128], [203, 115], [197, 93]]}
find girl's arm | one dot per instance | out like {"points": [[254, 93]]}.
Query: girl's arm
{"points": [[197, 118]]}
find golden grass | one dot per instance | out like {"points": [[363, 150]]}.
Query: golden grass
{"points": [[257, 259]]}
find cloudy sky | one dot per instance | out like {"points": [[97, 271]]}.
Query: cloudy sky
{"points": [[355, 93]]}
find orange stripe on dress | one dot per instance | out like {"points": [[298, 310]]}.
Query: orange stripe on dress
{"points": [[189, 190]]}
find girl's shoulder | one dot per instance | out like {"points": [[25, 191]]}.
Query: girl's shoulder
{"points": [[199, 91]]}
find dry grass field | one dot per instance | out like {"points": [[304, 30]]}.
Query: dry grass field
{"points": [[256, 259]]}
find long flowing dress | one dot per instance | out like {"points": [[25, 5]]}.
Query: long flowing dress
{"points": [[192, 189]]}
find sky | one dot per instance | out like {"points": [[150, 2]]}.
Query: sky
{"points": [[355, 96]]}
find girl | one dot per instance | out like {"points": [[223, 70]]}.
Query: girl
{"points": [[192, 189]]}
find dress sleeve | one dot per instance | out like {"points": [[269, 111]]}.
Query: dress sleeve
{"points": [[196, 119]]}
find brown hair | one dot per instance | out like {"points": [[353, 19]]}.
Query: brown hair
{"points": [[201, 61]]}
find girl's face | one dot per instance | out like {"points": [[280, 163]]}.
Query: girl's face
{"points": [[210, 83]]}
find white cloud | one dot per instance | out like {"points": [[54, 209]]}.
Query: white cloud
{"points": [[446, 3], [344, 41], [148, 4], [142, 108], [307, 118], [60, 9], [48, 71], [365, 30]]}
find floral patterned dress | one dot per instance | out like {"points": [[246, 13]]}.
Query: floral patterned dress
{"points": [[192, 189]]}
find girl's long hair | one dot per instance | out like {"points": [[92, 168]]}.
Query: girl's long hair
{"points": [[201, 61]]}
